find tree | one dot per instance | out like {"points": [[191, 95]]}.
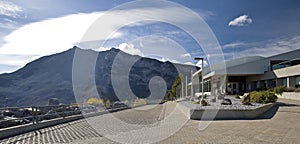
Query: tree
{"points": [[107, 104], [173, 93]]}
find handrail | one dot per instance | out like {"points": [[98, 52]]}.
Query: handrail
{"points": [[13, 116]]}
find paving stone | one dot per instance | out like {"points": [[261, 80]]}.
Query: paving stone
{"points": [[284, 127]]}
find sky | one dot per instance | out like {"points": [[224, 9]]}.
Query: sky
{"points": [[33, 28]]}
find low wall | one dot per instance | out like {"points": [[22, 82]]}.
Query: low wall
{"points": [[290, 95], [20, 129], [12, 131], [224, 114]]}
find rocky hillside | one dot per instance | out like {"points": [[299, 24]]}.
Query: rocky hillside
{"points": [[51, 77]]}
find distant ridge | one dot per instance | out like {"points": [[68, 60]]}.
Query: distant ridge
{"points": [[51, 77]]}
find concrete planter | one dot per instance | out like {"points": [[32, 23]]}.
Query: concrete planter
{"points": [[290, 95], [225, 114]]}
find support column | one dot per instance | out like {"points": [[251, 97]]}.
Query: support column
{"points": [[186, 86], [288, 82], [182, 92], [191, 84]]}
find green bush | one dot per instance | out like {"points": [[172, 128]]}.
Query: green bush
{"points": [[263, 96], [279, 90]]}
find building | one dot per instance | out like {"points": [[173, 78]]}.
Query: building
{"points": [[255, 72]]}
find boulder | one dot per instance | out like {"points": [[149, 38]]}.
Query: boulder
{"points": [[226, 102], [246, 99]]}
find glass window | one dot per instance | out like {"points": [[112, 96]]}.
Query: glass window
{"points": [[298, 80], [284, 82]]}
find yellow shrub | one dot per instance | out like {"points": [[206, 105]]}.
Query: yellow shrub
{"points": [[139, 102], [107, 104], [95, 101]]}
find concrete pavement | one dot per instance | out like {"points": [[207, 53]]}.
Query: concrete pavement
{"points": [[283, 127]]}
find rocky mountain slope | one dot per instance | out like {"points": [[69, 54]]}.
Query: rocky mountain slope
{"points": [[51, 77]]}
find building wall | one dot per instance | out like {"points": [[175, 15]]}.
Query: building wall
{"points": [[258, 71]]}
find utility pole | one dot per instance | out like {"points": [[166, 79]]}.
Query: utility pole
{"points": [[191, 84], [202, 74]]}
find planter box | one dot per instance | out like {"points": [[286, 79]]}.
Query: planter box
{"points": [[225, 114]]}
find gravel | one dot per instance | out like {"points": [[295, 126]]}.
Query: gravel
{"points": [[236, 104]]}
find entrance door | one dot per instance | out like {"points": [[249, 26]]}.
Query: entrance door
{"points": [[232, 88]]}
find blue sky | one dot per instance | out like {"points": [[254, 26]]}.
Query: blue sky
{"points": [[34, 28]]}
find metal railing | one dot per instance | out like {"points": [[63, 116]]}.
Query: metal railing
{"points": [[14, 116]]}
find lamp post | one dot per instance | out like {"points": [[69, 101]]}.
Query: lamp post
{"points": [[198, 59]]}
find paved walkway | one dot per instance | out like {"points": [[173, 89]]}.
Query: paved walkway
{"points": [[283, 127]]}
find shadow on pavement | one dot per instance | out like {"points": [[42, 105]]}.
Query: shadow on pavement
{"points": [[286, 105], [270, 113]]}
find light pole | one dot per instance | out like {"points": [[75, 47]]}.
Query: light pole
{"points": [[198, 59]]}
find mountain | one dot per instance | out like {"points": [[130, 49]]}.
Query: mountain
{"points": [[51, 77]]}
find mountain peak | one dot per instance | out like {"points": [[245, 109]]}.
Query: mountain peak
{"points": [[51, 77]]}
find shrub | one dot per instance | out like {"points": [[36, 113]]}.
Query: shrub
{"points": [[107, 104], [126, 102], [139, 102], [263, 96], [95, 101], [279, 90], [204, 103]]}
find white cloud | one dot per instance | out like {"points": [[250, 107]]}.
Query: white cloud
{"points": [[101, 49], [14, 60], [269, 47], [7, 68], [9, 9], [170, 60], [59, 34], [125, 47], [185, 55], [242, 20], [8, 24], [116, 35], [130, 49], [206, 15], [233, 45], [48, 36], [163, 49]]}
